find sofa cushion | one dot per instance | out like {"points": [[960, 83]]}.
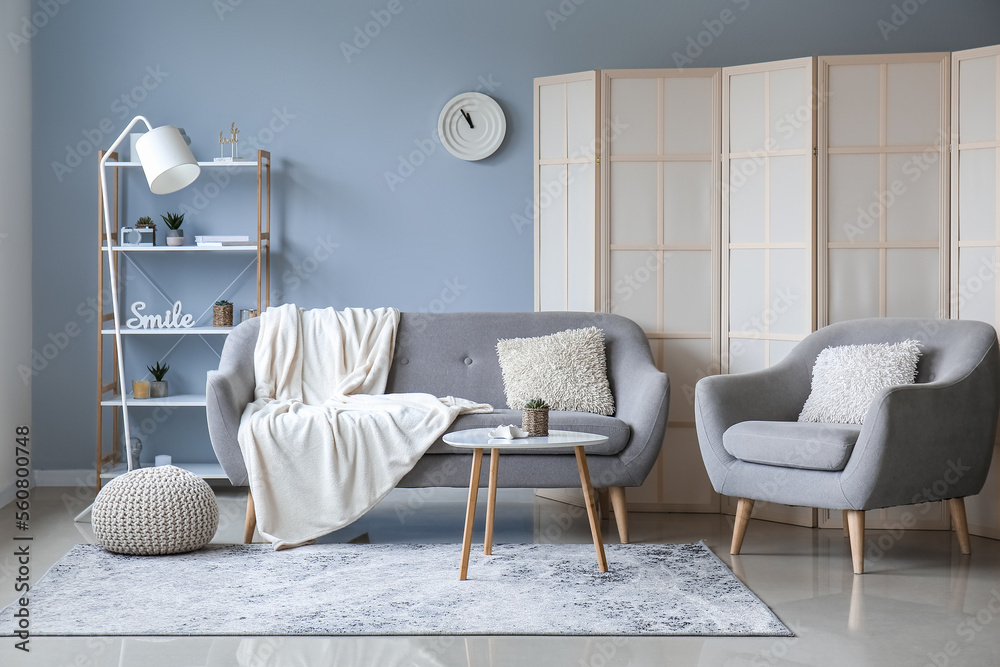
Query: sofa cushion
{"points": [[617, 431], [807, 445], [568, 370]]}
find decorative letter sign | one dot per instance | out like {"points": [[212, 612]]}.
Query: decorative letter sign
{"points": [[171, 320]]}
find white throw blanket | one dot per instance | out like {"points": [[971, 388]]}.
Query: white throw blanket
{"points": [[321, 443]]}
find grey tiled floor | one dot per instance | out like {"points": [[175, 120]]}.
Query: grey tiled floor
{"points": [[922, 603]]}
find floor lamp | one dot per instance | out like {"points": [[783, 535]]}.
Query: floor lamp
{"points": [[169, 166]]}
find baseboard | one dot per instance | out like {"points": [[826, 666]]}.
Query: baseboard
{"points": [[83, 477], [992, 532]]}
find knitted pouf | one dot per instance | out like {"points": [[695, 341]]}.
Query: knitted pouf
{"points": [[154, 511]]}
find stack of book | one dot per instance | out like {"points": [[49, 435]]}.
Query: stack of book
{"points": [[218, 241]]}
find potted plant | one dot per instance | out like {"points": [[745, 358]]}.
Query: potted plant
{"points": [[535, 417], [222, 314], [146, 222], [175, 235], [158, 388]]}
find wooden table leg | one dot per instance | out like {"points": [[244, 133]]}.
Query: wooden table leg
{"points": [[470, 511], [491, 501], [588, 495]]}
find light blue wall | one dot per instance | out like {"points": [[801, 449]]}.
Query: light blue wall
{"points": [[446, 230]]}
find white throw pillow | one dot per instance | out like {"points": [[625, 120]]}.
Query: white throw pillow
{"points": [[568, 369], [845, 379]]}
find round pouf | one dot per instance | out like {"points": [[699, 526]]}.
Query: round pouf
{"points": [[155, 511]]}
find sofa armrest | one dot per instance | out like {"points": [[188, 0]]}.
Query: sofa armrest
{"points": [[932, 440], [228, 390], [644, 406], [720, 401]]}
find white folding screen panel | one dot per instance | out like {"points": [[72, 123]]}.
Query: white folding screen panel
{"points": [[768, 208], [566, 152], [975, 224], [660, 233], [883, 186]]}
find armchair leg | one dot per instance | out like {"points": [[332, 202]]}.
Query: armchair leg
{"points": [[847, 533], [251, 522], [617, 494], [960, 524], [743, 511], [856, 526]]}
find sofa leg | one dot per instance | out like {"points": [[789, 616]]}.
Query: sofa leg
{"points": [[603, 503], [856, 526], [960, 524], [617, 494], [251, 523], [847, 533], [743, 511]]}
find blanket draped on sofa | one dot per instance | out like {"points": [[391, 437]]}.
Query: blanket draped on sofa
{"points": [[321, 442]]}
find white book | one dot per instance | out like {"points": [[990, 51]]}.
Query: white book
{"points": [[222, 239]]}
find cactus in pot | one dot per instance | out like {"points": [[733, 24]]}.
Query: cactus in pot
{"points": [[535, 417], [158, 388], [174, 233]]}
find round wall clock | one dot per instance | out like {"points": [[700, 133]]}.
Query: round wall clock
{"points": [[472, 126]]}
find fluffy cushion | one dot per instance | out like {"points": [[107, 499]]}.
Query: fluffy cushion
{"points": [[568, 369], [845, 379]]}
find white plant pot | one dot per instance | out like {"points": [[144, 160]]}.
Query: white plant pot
{"points": [[175, 237]]}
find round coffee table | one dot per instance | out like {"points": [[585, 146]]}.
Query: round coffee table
{"points": [[479, 439]]}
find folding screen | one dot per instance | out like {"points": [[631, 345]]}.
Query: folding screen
{"points": [[883, 186], [566, 192], [660, 182], [768, 208], [975, 223]]}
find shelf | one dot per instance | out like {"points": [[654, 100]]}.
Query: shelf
{"points": [[182, 248], [166, 332], [203, 470], [241, 163], [176, 401]]}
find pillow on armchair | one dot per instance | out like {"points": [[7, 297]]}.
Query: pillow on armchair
{"points": [[846, 378], [567, 369]]}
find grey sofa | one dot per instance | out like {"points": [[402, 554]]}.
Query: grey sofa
{"points": [[455, 355], [932, 440]]}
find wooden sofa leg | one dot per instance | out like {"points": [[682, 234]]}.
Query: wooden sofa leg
{"points": [[617, 494], [960, 524], [856, 526], [603, 503], [847, 533], [251, 523], [744, 509]]}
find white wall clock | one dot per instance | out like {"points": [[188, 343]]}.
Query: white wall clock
{"points": [[472, 126]]}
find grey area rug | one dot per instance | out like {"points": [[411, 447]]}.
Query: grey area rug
{"points": [[396, 589]]}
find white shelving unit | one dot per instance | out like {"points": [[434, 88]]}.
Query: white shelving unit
{"points": [[110, 459]]}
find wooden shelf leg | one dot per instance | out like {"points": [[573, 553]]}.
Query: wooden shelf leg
{"points": [[588, 496], [470, 512]]}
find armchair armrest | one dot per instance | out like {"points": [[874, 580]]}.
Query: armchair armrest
{"points": [[228, 391], [775, 394], [933, 440]]}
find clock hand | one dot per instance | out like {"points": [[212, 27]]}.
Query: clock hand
{"points": [[468, 118]]}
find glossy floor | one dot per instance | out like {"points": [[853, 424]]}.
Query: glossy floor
{"points": [[921, 602]]}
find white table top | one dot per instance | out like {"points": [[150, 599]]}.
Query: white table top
{"points": [[478, 438]]}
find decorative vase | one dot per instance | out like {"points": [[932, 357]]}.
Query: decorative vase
{"points": [[222, 316], [158, 389], [535, 421], [140, 388], [175, 237]]}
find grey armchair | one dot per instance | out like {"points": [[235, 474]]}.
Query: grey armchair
{"points": [[932, 440]]}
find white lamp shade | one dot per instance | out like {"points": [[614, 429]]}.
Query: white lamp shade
{"points": [[166, 160]]}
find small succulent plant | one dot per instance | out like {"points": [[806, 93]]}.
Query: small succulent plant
{"points": [[536, 404], [173, 220], [223, 302], [145, 222], [158, 371]]}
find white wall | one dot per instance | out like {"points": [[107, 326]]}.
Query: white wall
{"points": [[15, 236]]}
